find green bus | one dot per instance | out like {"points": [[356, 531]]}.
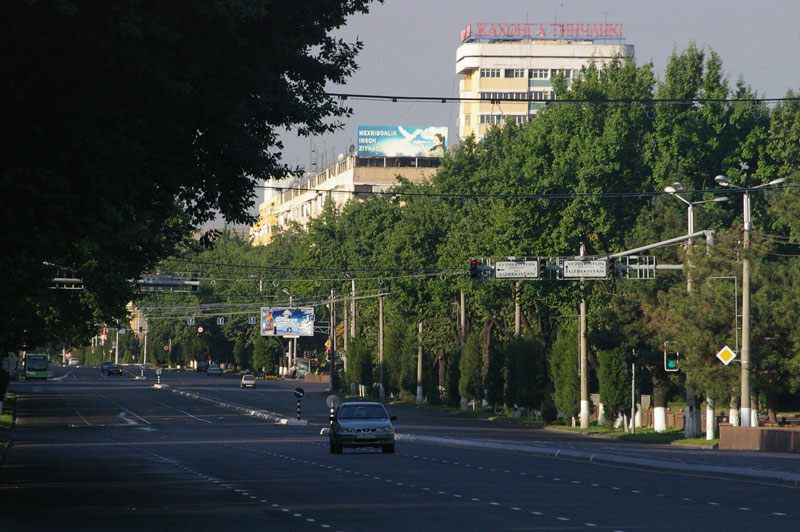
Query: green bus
{"points": [[37, 365]]}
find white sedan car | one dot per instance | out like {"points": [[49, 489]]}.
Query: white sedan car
{"points": [[248, 381]]}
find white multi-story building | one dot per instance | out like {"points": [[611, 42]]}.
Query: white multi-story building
{"points": [[508, 69], [302, 198]]}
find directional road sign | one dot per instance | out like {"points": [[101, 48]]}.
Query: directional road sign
{"points": [[590, 269], [516, 269], [299, 393]]}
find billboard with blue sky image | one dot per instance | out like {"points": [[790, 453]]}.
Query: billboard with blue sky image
{"points": [[402, 141], [287, 321]]}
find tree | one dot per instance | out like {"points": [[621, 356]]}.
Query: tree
{"points": [[359, 362], [564, 371], [613, 382], [135, 123], [470, 383]]}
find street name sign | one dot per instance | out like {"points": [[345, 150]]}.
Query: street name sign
{"points": [[590, 269]]}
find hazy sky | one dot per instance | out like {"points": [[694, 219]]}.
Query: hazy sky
{"points": [[410, 49]]}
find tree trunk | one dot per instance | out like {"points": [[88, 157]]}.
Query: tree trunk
{"points": [[660, 396], [733, 411]]}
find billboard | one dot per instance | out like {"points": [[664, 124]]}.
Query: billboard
{"points": [[402, 141], [287, 321]]}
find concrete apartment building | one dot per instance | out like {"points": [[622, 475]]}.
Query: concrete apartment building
{"points": [[517, 62], [302, 198]]}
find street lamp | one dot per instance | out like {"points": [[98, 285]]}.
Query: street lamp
{"points": [[673, 191], [745, 416], [692, 419]]}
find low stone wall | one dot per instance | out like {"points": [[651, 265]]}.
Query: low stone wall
{"points": [[779, 439], [310, 377]]}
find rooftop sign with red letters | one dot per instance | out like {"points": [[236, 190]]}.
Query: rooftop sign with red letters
{"points": [[534, 30]]}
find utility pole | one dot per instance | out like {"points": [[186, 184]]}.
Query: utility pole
{"points": [[517, 312], [749, 416], [419, 364], [633, 397], [583, 354], [116, 348], [353, 309], [381, 391], [333, 341]]}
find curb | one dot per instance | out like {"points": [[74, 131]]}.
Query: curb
{"points": [[757, 475], [260, 414]]}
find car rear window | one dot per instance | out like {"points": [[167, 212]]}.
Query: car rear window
{"points": [[362, 412]]}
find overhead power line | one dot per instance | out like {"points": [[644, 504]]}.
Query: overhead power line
{"points": [[533, 196], [609, 101]]}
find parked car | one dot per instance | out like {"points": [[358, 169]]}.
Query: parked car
{"points": [[202, 366], [361, 424], [115, 369], [213, 369], [105, 365], [74, 362], [248, 381]]}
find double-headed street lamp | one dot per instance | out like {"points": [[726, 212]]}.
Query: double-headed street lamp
{"points": [[745, 416], [692, 420], [673, 191]]}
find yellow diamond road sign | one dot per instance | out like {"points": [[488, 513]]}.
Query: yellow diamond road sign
{"points": [[726, 355]]}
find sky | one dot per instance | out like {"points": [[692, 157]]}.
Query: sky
{"points": [[410, 50]]}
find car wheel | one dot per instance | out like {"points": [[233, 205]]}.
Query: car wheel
{"points": [[388, 449]]}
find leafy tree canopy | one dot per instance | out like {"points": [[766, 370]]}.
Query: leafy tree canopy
{"points": [[132, 123]]}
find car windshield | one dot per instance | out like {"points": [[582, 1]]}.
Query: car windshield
{"points": [[362, 412]]}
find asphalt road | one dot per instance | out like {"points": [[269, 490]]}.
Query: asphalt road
{"points": [[93, 452]]}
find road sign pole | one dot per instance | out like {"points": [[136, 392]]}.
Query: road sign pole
{"points": [[298, 409]]}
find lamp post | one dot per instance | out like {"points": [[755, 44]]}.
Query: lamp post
{"points": [[744, 401], [673, 191], [692, 422]]}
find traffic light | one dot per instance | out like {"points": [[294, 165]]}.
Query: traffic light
{"points": [[473, 269], [671, 360], [141, 330], [541, 268], [328, 357]]}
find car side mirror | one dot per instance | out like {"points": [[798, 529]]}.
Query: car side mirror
{"points": [[393, 418]]}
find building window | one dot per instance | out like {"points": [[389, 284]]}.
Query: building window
{"points": [[499, 119], [515, 72], [505, 96], [467, 119], [537, 73], [566, 72], [490, 72], [540, 96]]}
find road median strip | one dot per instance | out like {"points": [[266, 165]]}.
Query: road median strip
{"points": [[260, 414]]}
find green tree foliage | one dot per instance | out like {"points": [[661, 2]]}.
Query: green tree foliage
{"points": [[614, 391], [470, 384], [527, 382], [134, 123], [563, 361], [360, 366]]}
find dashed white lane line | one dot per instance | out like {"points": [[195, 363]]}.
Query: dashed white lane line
{"points": [[779, 514], [744, 508]]}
